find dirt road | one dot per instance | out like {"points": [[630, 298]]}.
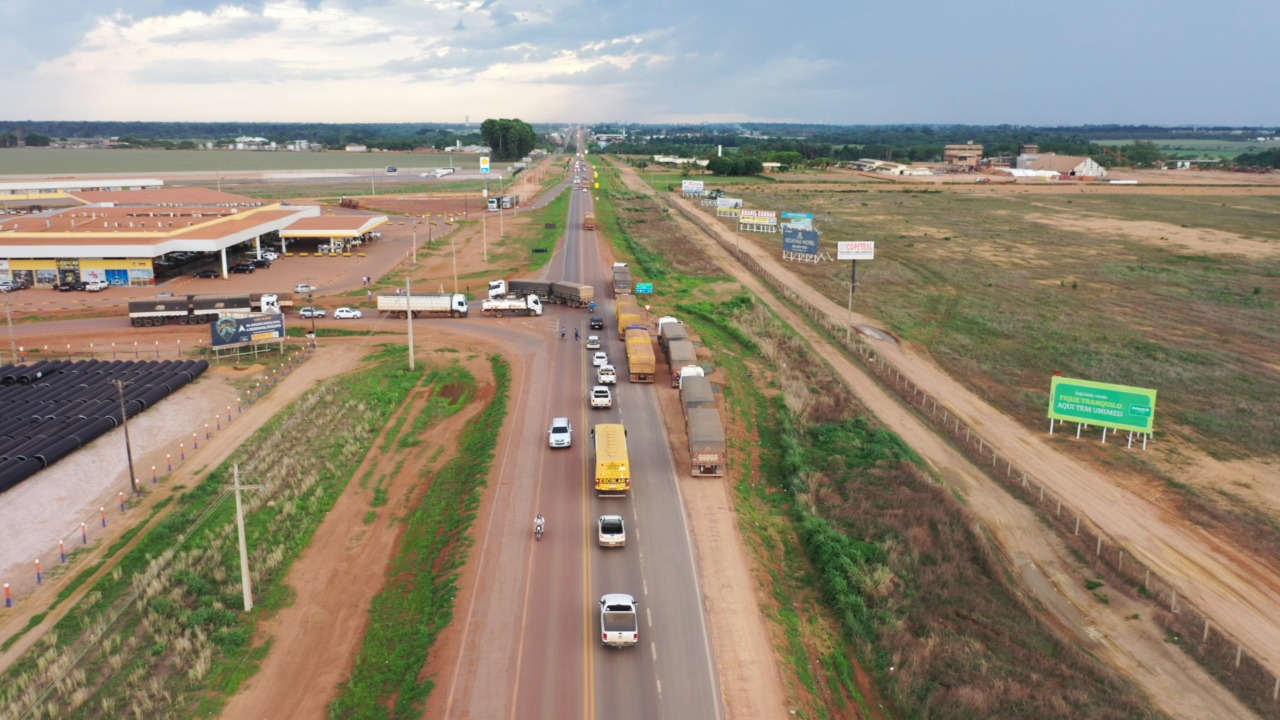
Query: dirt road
{"points": [[1135, 648]]}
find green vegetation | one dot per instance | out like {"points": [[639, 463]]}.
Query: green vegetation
{"points": [[416, 602], [185, 647], [508, 139]]}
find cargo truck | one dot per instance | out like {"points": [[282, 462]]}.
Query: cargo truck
{"points": [[628, 315], [641, 363], [695, 392], [589, 221], [498, 307], [198, 309], [621, 280], [670, 332], [680, 354], [707, 456], [423, 305], [560, 292]]}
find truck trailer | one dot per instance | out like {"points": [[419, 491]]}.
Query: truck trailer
{"points": [[423, 305], [641, 363], [707, 449], [668, 332], [628, 315], [680, 354], [199, 309], [560, 292], [589, 221], [621, 280], [498, 307], [695, 392]]}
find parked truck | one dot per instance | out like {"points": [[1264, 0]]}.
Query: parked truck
{"points": [[707, 454], [641, 363], [680, 355], [619, 623], [198, 309], [670, 332], [628, 315], [423, 305], [560, 292], [589, 221], [621, 279], [695, 392], [527, 305]]}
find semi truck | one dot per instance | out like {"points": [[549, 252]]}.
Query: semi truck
{"points": [[621, 279], [680, 355], [641, 363], [628, 315], [560, 292], [589, 221], [527, 305], [670, 332], [707, 454], [695, 392], [423, 305], [199, 309]]}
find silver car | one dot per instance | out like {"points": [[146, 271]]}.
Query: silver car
{"points": [[561, 433]]}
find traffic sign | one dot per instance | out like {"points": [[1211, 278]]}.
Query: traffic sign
{"points": [[644, 288], [484, 164]]}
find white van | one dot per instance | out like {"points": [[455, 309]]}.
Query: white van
{"points": [[96, 285]]}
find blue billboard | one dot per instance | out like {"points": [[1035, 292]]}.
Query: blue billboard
{"points": [[232, 330], [801, 242]]}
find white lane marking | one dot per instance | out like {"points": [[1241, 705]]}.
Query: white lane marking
{"points": [[648, 617], [653, 650], [645, 584]]}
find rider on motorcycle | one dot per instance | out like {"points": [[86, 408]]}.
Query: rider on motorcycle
{"points": [[539, 523]]}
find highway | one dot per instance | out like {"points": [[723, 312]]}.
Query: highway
{"points": [[530, 645]]}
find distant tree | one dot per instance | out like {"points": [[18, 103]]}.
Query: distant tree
{"points": [[735, 165], [508, 139], [1142, 154], [1261, 159], [38, 140]]}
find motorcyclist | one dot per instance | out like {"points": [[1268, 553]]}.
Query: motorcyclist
{"points": [[539, 524]]}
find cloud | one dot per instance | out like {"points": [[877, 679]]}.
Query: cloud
{"points": [[234, 28]]}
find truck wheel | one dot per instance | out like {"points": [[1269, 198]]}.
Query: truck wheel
{"points": [[453, 314], [137, 322], [404, 315], [497, 313]]}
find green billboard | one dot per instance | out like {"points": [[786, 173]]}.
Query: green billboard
{"points": [[1094, 403]]}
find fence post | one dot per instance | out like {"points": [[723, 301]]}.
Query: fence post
{"points": [[1205, 637], [1099, 550], [1077, 530]]}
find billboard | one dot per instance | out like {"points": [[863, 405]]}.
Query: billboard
{"points": [[797, 240], [725, 203], [692, 187], [856, 250], [758, 217], [1094, 403], [232, 330], [800, 220]]}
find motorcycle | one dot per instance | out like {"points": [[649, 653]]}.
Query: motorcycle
{"points": [[537, 531]]}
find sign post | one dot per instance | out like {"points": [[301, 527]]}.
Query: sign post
{"points": [[855, 251], [484, 226]]}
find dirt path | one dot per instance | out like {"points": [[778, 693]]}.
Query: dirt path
{"points": [[1135, 648]]}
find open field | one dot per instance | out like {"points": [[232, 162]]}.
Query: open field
{"points": [[1201, 148], [90, 161]]}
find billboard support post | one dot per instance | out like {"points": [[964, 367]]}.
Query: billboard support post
{"points": [[853, 283], [855, 251]]}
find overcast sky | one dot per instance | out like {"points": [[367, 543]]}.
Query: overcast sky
{"points": [[832, 61]]}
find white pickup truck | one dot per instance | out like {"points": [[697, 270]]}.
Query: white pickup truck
{"points": [[619, 624], [606, 375], [601, 397]]}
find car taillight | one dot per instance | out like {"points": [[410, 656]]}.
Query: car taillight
{"points": [[604, 637]]}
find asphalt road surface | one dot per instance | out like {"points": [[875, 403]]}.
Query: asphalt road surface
{"points": [[535, 614]]}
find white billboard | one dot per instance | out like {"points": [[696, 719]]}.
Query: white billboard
{"points": [[727, 202], [758, 217], [856, 250], [692, 187]]}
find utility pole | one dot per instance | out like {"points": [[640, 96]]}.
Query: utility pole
{"points": [[408, 297], [244, 549], [453, 250], [128, 449]]}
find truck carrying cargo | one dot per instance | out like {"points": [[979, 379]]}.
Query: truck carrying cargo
{"points": [[423, 305], [680, 353], [628, 315], [198, 309], [669, 332], [695, 392], [707, 448], [560, 292], [498, 307], [589, 221], [621, 280], [641, 363]]}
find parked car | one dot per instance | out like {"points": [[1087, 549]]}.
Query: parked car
{"points": [[606, 375], [561, 433], [611, 531], [593, 342], [69, 286], [600, 359], [96, 285], [601, 397], [597, 323], [304, 288], [269, 255], [243, 268], [346, 313], [311, 312], [210, 273], [260, 263], [12, 285]]}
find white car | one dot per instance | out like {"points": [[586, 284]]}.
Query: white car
{"points": [[606, 375], [611, 531], [346, 313], [268, 255], [304, 288], [561, 433], [311, 312], [97, 285], [601, 397], [600, 359], [593, 342]]}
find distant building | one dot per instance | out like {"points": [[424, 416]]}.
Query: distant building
{"points": [[302, 146], [1071, 165], [356, 147], [253, 143], [962, 156]]}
